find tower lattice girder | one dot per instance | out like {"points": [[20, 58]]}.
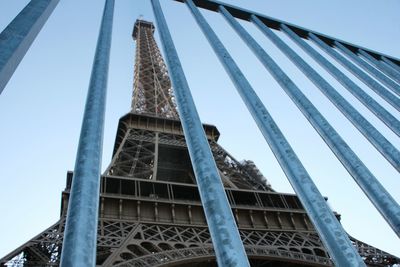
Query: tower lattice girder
{"points": [[153, 92], [150, 208]]}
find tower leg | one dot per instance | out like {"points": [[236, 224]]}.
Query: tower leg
{"points": [[41, 250]]}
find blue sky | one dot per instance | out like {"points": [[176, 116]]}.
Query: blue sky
{"points": [[41, 107]]}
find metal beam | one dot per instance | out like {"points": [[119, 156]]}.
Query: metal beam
{"points": [[381, 199], [79, 245], [385, 116], [156, 149], [386, 148], [274, 23], [391, 63], [371, 70], [328, 227], [364, 77], [228, 246], [18, 36], [380, 65]]}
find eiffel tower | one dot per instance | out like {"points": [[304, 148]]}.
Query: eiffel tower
{"points": [[150, 208]]}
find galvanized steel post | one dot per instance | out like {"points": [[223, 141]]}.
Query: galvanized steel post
{"points": [[380, 65], [80, 236], [228, 246], [353, 88], [386, 148], [338, 252], [330, 230], [18, 36], [390, 63], [364, 77], [382, 200], [364, 65]]}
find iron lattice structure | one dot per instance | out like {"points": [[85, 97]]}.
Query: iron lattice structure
{"points": [[150, 208], [153, 92]]}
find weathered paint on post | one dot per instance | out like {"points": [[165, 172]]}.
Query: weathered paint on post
{"points": [[80, 236], [385, 116], [228, 246], [364, 77], [380, 65], [364, 65], [18, 36], [378, 195], [329, 229], [387, 149], [390, 63]]}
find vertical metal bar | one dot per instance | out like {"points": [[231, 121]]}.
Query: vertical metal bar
{"points": [[228, 246], [80, 236], [330, 230], [389, 151], [156, 146], [382, 200], [375, 73], [380, 65], [18, 36], [390, 63], [354, 89]]}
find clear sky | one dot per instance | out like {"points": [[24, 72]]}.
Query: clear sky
{"points": [[41, 107]]}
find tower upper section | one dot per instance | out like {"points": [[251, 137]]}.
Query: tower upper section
{"points": [[152, 91], [143, 25]]}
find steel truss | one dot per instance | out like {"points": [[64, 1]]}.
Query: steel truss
{"points": [[153, 92], [140, 151], [150, 209], [127, 243], [157, 221]]}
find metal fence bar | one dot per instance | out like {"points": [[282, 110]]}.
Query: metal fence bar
{"points": [[385, 116], [364, 65], [380, 65], [18, 36], [330, 230], [80, 236], [244, 14], [374, 85], [382, 200], [386, 148], [225, 236], [390, 63]]}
